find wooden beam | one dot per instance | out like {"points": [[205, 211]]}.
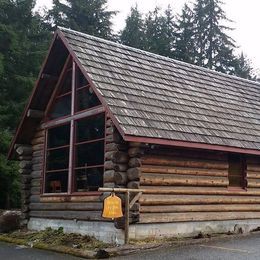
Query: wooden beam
{"points": [[32, 113], [24, 150], [135, 199], [49, 76], [196, 216], [127, 207], [90, 112]]}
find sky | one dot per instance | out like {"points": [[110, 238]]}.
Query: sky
{"points": [[244, 14]]}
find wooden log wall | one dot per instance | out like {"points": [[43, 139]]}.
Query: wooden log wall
{"points": [[25, 164], [116, 158], [116, 165], [190, 185], [135, 152], [253, 173]]}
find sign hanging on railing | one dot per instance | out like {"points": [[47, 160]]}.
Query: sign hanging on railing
{"points": [[112, 207]]}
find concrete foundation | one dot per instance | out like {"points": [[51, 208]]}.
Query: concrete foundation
{"points": [[106, 232], [191, 229], [103, 231]]}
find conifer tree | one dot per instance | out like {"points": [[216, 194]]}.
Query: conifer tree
{"points": [[243, 67], [159, 32], [88, 16], [23, 44], [185, 36], [214, 47], [133, 32], [167, 33], [152, 31]]}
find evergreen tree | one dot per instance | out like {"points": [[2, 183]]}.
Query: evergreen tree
{"points": [[88, 16], [214, 47], [153, 23], [159, 32], [9, 175], [168, 34], [185, 36], [243, 67], [133, 32], [23, 44]]}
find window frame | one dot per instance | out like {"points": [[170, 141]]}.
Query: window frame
{"points": [[243, 174], [70, 119]]}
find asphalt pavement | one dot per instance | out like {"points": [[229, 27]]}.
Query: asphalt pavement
{"points": [[236, 248], [14, 252]]}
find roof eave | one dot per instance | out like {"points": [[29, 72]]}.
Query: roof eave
{"points": [[192, 145]]}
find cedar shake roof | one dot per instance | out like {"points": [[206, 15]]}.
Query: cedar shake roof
{"points": [[158, 97], [155, 99]]}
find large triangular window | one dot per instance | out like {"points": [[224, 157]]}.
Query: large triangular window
{"points": [[75, 134], [63, 104], [85, 96]]}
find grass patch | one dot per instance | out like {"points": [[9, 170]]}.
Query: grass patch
{"points": [[55, 239]]}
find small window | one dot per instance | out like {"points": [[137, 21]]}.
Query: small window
{"points": [[66, 83], [236, 171], [90, 128], [62, 103], [90, 154], [89, 179], [59, 136], [81, 80], [85, 96]]}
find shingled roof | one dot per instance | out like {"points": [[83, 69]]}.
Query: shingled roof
{"points": [[158, 97], [153, 98]]}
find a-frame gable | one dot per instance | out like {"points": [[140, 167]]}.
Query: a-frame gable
{"points": [[48, 88]]}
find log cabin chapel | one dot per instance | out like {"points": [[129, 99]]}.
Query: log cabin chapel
{"points": [[106, 115]]}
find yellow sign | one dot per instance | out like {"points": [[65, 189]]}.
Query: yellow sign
{"points": [[112, 207]]}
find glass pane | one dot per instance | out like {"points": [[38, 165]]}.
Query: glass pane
{"points": [[235, 181], [90, 128], [235, 171], [62, 107], [56, 182], [81, 80], [58, 159], [90, 154], [66, 83], [86, 98], [59, 136], [88, 179]]}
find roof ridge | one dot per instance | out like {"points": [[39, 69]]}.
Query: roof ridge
{"points": [[160, 56]]}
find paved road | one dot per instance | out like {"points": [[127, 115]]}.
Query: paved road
{"points": [[244, 247], [13, 252]]}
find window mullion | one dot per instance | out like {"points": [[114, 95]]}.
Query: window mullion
{"points": [[72, 129]]}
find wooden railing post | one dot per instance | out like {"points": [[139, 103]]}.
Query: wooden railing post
{"points": [[127, 217]]}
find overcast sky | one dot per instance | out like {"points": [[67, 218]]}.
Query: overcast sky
{"points": [[245, 14]]}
